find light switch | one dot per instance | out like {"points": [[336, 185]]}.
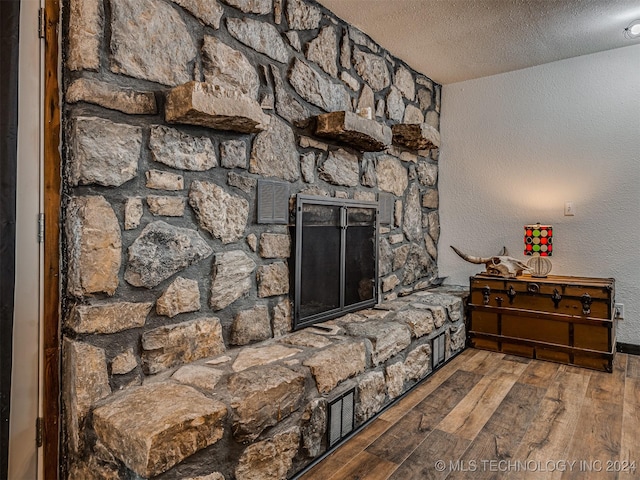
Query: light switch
{"points": [[569, 209]]}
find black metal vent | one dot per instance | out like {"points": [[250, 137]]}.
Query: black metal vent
{"points": [[386, 204], [341, 417], [273, 201], [438, 350]]}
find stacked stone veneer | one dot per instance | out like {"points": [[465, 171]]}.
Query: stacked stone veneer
{"points": [[178, 357]]}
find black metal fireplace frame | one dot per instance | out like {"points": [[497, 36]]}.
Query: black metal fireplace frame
{"points": [[302, 200]]}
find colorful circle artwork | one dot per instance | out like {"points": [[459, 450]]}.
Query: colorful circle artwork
{"points": [[538, 240]]}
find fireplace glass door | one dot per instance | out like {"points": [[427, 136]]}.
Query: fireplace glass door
{"points": [[336, 258]]}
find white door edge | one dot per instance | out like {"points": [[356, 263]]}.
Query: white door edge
{"points": [[26, 402]]}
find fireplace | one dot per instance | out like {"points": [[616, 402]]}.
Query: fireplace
{"points": [[336, 250]]}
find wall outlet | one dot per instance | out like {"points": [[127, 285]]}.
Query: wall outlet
{"points": [[619, 311]]}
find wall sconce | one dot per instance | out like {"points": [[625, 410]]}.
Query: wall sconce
{"points": [[633, 30], [538, 243]]}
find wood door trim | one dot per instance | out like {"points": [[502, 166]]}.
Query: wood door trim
{"points": [[52, 182]]}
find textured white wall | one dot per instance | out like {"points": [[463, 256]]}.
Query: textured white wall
{"points": [[516, 146]]}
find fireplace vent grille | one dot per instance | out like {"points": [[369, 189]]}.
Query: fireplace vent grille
{"points": [[273, 202], [438, 350], [386, 202], [341, 417]]}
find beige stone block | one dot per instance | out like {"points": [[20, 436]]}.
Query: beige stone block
{"points": [[273, 279], [252, 357], [263, 37], [196, 103], [161, 180], [102, 317], [418, 363], [275, 245], [274, 152], [94, 248], [362, 133], [419, 321], [124, 363], [392, 176], [103, 152], [340, 168], [150, 40], [387, 338], [430, 199], [251, 325], [160, 205], [416, 136], [336, 363], [86, 22], [262, 397], [171, 345], [111, 96], [303, 16], [394, 376], [282, 318], [209, 12], [231, 278], [271, 458], [133, 211], [323, 50], [154, 427], [183, 295], [306, 339], [228, 223], [371, 395], [85, 381], [181, 150], [199, 376]]}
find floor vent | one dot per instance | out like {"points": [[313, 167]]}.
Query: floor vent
{"points": [[438, 350], [341, 417]]}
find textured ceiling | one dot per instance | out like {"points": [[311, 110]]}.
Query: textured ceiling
{"points": [[455, 40]]}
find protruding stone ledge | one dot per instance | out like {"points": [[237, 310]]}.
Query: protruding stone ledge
{"points": [[108, 317], [364, 134], [111, 96], [177, 422], [419, 136], [276, 386], [199, 103]]}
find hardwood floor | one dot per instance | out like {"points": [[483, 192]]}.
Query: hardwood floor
{"points": [[487, 415]]}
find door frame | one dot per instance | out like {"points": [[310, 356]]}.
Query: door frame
{"points": [[26, 458], [51, 267]]}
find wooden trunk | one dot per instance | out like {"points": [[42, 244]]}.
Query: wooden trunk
{"points": [[563, 319]]}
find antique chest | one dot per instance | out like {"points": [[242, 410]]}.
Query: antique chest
{"points": [[558, 318]]}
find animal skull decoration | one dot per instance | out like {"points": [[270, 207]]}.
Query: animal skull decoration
{"points": [[501, 265]]}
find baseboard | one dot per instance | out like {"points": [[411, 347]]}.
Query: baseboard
{"points": [[628, 348]]}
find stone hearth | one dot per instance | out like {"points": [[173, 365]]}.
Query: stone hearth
{"points": [[260, 411], [173, 112]]}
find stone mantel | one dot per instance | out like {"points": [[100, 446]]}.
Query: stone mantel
{"points": [[353, 130], [421, 136], [200, 103]]}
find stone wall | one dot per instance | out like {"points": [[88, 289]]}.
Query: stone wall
{"points": [[172, 111]]}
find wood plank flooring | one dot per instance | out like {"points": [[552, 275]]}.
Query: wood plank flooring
{"points": [[488, 415]]}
